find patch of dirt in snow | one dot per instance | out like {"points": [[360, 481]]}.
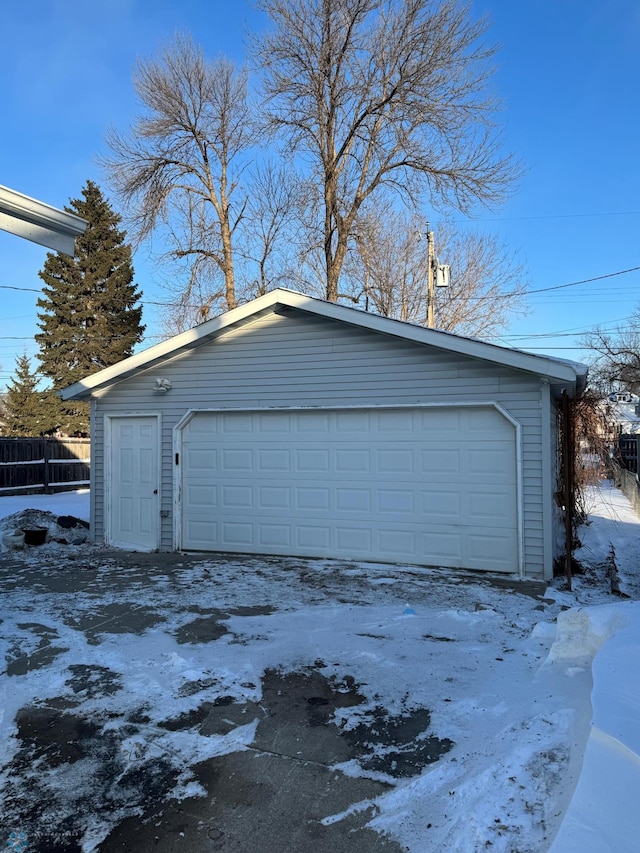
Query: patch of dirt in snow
{"points": [[297, 749]]}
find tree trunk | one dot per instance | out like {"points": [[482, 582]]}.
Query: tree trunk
{"points": [[227, 253]]}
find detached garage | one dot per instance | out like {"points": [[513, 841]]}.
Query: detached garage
{"points": [[293, 426]]}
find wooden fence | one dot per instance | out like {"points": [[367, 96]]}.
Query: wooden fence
{"points": [[629, 485], [43, 465]]}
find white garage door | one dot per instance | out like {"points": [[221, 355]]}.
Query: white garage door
{"points": [[431, 486]]}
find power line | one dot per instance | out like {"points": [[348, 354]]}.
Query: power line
{"points": [[26, 289], [479, 298], [583, 281], [574, 330]]}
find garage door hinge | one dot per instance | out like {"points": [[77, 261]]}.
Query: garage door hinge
{"points": [[177, 458]]}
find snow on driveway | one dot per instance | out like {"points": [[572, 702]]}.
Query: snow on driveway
{"points": [[498, 681]]}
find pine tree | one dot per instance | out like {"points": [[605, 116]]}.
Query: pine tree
{"points": [[89, 317], [28, 411]]}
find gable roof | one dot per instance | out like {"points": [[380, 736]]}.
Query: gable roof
{"points": [[39, 222], [557, 371]]}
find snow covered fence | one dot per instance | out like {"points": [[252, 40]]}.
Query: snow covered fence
{"points": [[629, 484], [37, 465]]}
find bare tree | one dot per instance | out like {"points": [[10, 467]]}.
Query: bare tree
{"points": [[617, 356], [383, 94], [274, 209], [389, 271], [180, 163]]}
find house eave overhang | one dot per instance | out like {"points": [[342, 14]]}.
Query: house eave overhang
{"points": [[39, 222], [559, 373]]}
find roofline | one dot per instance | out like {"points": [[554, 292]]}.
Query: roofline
{"points": [[39, 222], [555, 370]]}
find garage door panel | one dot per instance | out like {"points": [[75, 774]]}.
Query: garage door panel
{"points": [[350, 539], [237, 497], [396, 421], [203, 534], [495, 508], [200, 497], [414, 485], [237, 460], [352, 461], [494, 548], [442, 505], [350, 422], [274, 535], [311, 461], [353, 500], [199, 458], [402, 543], [396, 501], [312, 498], [234, 423], [315, 537], [274, 497], [445, 420], [492, 461], [273, 422], [439, 461], [445, 544], [237, 533], [312, 423], [274, 459], [393, 461]]}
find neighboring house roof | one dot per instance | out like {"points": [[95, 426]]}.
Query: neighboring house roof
{"points": [[557, 371], [39, 222], [621, 410]]}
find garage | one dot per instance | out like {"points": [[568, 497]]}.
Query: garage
{"points": [[429, 485], [298, 427]]}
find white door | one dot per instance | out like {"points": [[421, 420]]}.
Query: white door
{"points": [[430, 486], [133, 483]]}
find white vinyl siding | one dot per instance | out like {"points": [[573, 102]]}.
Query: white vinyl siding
{"points": [[295, 359]]}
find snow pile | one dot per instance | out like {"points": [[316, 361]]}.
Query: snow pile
{"points": [[603, 814], [18, 530], [64, 516]]}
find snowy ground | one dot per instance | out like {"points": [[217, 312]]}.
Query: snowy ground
{"points": [[504, 682]]}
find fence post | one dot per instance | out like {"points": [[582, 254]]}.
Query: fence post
{"points": [[46, 476]]}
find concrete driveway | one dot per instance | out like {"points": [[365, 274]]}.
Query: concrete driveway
{"points": [[148, 705]]}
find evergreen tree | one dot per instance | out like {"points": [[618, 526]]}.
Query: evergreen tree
{"points": [[89, 317], [27, 411]]}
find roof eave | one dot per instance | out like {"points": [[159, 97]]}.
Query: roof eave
{"points": [[39, 222]]}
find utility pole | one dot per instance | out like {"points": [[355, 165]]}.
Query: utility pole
{"points": [[430, 278]]}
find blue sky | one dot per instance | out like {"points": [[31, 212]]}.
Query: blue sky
{"points": [[567, 73]]}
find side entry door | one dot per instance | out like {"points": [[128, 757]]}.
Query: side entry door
{"points": [[132, 483]]}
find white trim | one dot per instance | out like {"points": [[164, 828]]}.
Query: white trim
{"points": [[191, 413], [548, 529], [107, 461], [42, 461], [93, 453], [25, 462], [16, 488], [177, 483], [557, 370], [39, 222]]}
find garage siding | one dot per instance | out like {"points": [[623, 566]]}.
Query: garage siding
{"points": [[296, 359]]}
